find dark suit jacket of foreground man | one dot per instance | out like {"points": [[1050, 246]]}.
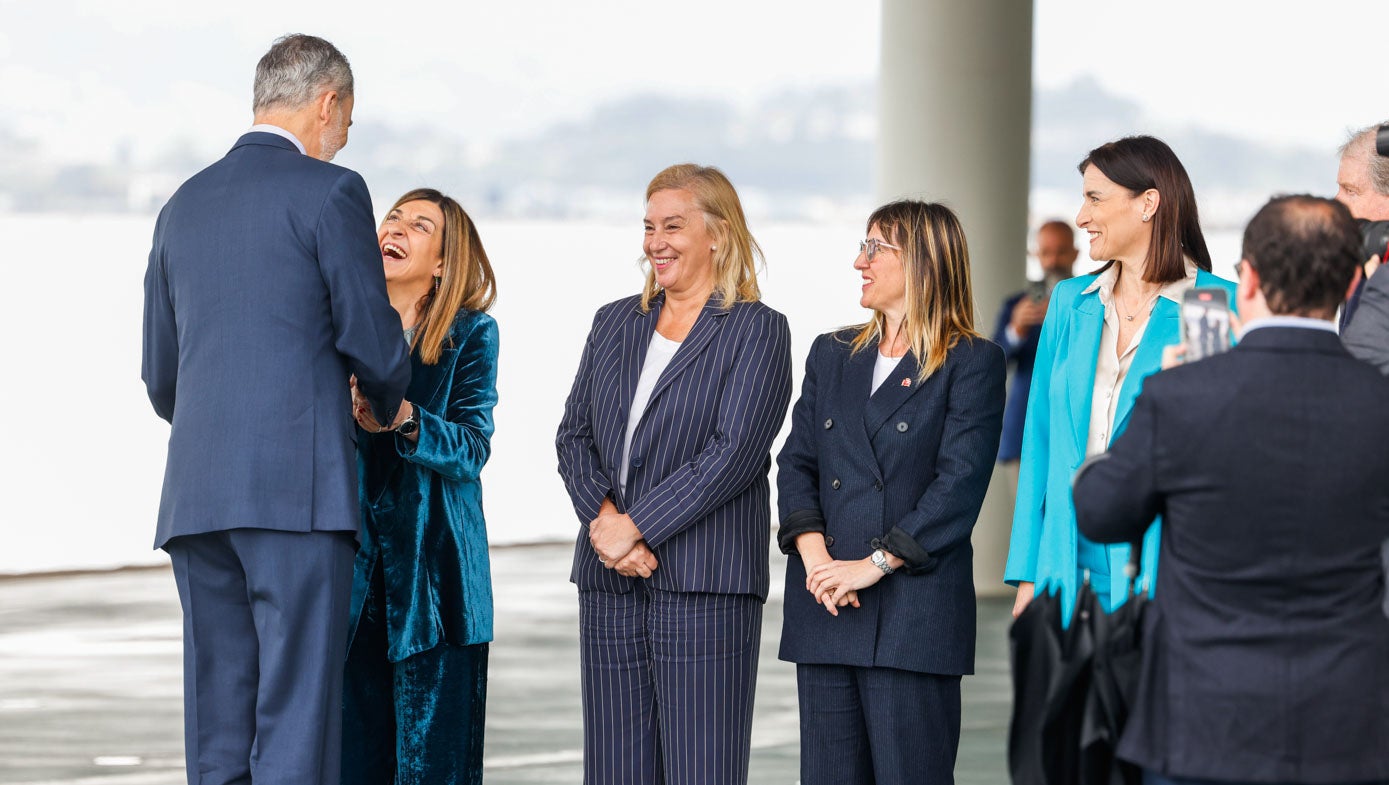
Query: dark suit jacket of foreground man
{"points": [[264, 291], [1266, 653]]}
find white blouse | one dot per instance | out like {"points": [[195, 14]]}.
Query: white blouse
{"points": [[882, 368], [1113, 367], [658, 356]]}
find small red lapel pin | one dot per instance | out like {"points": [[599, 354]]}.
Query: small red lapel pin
{"points": [[907, 382]]}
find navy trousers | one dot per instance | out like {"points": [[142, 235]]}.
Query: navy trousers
{"points": [[1153, 778], [877, 726], [414, 722], [264, 637], [668, 681]]}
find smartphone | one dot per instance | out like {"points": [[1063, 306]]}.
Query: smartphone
{"points": [[1036, 291], [1205, 322]]}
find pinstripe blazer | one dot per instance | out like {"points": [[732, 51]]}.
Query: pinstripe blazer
{"points": [[697, 478], [903, 469]]}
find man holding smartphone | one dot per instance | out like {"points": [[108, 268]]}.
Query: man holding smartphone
{"points": [[1019, 325]]}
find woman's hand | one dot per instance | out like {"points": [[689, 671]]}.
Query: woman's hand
{"points": [[613, 536], [639, 562], [811, 546], [1025, 591], [833, 581]]}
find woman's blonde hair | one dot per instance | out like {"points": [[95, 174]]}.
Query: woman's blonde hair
{"points": [[935, 264], [736, 252], [466, 280]]}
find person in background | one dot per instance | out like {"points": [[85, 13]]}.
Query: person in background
{"points": [[1265, 649], [1018, 328], [1362, 185], [1103, 334], [891, 449], [664, 448], [415, 691], [263, 296]]}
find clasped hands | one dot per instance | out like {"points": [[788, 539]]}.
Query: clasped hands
{"points": [[362, 413], [832, 582], [618, 543]]}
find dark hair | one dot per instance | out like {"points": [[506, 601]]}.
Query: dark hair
{"points": [[1142, 162], [1058, 225], [1306, 250]]}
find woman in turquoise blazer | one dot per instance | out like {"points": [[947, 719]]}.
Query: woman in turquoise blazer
{"points": [[416, 679], [1103, 334]]}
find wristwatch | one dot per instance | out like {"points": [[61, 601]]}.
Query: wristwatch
{"points": [[879, 560], [411, 424]]}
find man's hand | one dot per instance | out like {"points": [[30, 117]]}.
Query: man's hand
{"points": [[639, 562], [1028, 313], [612, 536]]}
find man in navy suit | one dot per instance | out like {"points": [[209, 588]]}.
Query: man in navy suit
{"points": [[264, 294], [1265, 649], [1019, 325]]}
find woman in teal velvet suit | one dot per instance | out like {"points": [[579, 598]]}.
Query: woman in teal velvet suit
{"points": [[416, 678], [1103, 334]]}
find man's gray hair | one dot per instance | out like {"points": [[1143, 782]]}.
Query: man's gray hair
{"points": [[297, 69], [1361, 144]]}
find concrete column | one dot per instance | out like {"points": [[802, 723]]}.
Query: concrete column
{"points": [[955, 108]]}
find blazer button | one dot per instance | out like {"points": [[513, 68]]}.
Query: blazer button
{"points": [[876, 543], [829, 541], [835, 484], [902, 427], [636, 462], [829, 424], [877, 485], [415, 497]]}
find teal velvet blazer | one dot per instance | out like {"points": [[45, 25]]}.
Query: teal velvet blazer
{"points": [[1045, 544], [422, 502]]}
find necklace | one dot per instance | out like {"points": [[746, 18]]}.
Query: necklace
{"points": [[1118, 304]]}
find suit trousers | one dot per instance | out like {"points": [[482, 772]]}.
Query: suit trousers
{"points": [[414, 722], [877, 726], [668, 681], [1152, 778], [264, 636]]}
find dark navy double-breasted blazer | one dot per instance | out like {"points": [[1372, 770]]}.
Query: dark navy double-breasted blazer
{"points": [[904, 469], [697, 478]]}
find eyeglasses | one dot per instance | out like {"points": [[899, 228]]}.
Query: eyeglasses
{"points": [[1240, 265], [871, 246]]}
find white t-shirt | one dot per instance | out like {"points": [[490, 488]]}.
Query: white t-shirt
{"points": [[658, 356], [882, 368]]}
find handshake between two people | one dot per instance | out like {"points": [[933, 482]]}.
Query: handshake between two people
{"points": [[619, 544], [362, 413]]}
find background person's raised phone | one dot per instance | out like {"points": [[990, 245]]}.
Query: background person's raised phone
{"points": [[1205, 322], [1036, 291]]}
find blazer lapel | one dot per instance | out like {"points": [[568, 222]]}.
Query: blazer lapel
{"points": [[1164, 328], [1083, 356], [636, 337], [899, 385], [706, 326], [425, 380], [854, 390]]}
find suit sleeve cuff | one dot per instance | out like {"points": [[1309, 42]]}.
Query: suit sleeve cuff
{"points": [[903, 546], [796, 524]]}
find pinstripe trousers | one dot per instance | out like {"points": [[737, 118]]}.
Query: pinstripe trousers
{"points": [[668, 682]]}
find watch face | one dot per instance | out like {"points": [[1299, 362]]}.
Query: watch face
{"points": [[408, 427]]}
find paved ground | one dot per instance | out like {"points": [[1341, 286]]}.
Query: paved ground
{"points": [[90, 682]]}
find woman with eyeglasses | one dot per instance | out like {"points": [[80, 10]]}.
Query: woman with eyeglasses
{"points": [[415, 686], [891, 449], [1104, 333]]}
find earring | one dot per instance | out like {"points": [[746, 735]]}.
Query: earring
{"points": [[1145, 217], [713, 248], [438, 278]]}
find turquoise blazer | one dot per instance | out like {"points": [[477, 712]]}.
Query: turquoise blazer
{"points": [[1045, 544], [422, 501]]}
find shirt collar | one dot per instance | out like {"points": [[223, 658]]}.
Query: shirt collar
{"points": [[1302, 322], [1104, 284], [267, 128]]}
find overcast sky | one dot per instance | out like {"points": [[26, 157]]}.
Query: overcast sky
{"points": [[84, 74]]}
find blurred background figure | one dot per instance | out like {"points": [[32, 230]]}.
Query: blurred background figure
{"points": [[416, 684], [1018, 328], [1102, 335], [664, 448], [891, 449], [1264, 649], [1362, 184]]}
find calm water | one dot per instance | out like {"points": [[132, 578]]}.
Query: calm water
{"points": [[84, 453]]}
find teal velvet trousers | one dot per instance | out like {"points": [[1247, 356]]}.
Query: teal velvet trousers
{"points": [[414, 722]]}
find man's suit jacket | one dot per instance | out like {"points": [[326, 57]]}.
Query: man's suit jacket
{"points": [[1367, 334], [1044, 547], [1265, 653], [1024, 353], [264, 292], [905, 470], [697, 477]]}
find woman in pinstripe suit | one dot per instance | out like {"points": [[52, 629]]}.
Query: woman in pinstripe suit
{"points": [[891, 448], [664, 449]]}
